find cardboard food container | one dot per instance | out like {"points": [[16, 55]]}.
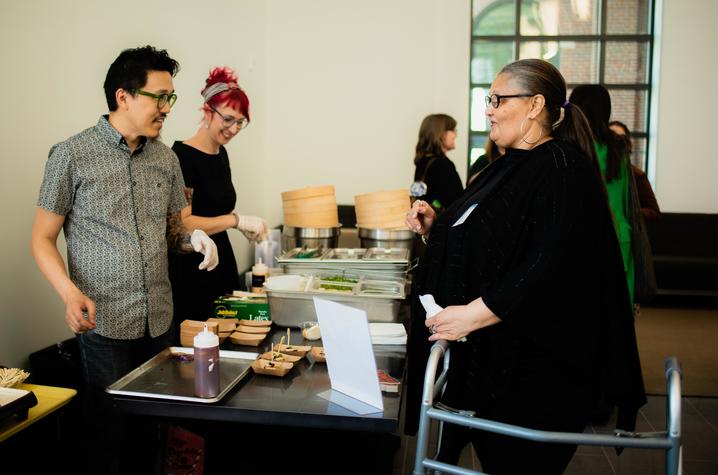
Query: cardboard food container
{"points": [[271, 368], [249, 339], [257, 323], [294, 350], [252, 329], [189, 328], [318, 354], [226, 325], [242, 308], [281, 357]]}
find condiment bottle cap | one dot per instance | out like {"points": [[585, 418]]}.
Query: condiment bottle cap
{"points": [[206, 339]]}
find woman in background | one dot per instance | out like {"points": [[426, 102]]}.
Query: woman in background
{"points": [[435, 178], [493, 152], [212, 198], [595, 102], [649, 204]]}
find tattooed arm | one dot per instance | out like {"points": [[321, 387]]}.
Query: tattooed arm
{"points": [[178, 237]]}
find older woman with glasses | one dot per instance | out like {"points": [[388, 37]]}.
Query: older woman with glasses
{"points": [[211, 196], [528, 270]]}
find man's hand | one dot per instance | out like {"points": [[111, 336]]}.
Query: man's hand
{"points": [[204, 244], [79, 312]]}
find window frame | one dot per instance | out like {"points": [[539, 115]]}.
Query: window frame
{"points": [[601, 38]]}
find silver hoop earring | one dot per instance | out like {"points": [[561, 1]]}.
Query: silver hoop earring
{"points": [[523, 139]]}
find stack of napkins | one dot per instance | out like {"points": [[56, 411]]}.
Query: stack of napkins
{"points": [[387, 334]]}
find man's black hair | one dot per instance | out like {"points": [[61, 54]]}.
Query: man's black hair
{"points": [[129, 71]]}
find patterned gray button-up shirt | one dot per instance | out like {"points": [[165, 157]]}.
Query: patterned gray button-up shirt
{"points": [[115, 206]]}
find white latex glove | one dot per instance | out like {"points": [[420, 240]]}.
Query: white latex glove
{"points": [[254, 228], [204, 244]]}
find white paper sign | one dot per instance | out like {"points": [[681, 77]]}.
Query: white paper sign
{"points": [[350, 357]]}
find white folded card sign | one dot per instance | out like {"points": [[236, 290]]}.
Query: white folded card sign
{"points": [[350, 357]]}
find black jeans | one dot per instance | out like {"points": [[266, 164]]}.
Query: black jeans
{"points": [[116, 443]]}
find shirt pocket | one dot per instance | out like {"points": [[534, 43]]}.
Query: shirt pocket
{"points": [[158, 196]]}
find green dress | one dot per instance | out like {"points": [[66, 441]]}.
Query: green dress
{"points": [[618, 200]]}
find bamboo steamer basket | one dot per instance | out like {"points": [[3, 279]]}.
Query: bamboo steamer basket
{"points": [[382, 209], [311, 207]]}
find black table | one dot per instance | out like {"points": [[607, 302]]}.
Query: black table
{"points": [[260, 404]]}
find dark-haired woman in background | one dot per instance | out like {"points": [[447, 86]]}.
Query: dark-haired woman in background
{"points": [[649, 203], [212, 198], [435, 178], [493, 152], [528, 269], [595, 102]]}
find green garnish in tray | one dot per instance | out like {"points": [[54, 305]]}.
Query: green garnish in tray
{"points": [[306, 253], [339, 278], [342, 288], [342, 283]]}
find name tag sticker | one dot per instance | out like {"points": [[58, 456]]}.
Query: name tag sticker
{"points": [[463, 217]]}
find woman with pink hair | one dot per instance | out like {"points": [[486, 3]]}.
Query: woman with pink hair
{"points": [[211, 197]]}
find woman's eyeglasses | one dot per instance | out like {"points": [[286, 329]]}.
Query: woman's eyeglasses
{"points": [[494, 100], [228, 121], [162, 99]]}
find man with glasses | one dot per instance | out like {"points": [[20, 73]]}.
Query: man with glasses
{"points": [[117, 192]]}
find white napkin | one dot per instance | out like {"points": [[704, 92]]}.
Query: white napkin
{"points": [[432, 308], [387, 334]]}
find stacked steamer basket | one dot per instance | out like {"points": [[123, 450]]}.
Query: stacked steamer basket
{"points": [[381, 219], [311, 218]]}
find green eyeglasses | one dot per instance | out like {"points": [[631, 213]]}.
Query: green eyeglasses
{"points": [[162, 99]]}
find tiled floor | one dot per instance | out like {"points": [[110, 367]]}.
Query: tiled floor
{"points": [[700, 445]]}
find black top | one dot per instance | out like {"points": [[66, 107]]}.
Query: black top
{"points": [[442, 181], [540, 249], [194, 290]]}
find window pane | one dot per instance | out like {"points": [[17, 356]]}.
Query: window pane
{"points": [[554, 17], [630, 108], [577, 60], [626, 62], [487, 59], [478, 109], [638, 157], [478, 147], [493, 17], [627, 16]]}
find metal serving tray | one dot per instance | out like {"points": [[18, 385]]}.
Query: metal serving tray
{"points": [[290, 309], [373, 263], [167, 376]]}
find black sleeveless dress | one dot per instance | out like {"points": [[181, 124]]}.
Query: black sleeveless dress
{"points": [[194, 290]]}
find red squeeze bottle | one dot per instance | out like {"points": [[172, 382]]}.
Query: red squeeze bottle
{"points": [[206, 364]]}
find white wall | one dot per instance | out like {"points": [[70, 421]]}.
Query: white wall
{"points": [[687, 158], [54, 57], [348, 85], [338, 89]]}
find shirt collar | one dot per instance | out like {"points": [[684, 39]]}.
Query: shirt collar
{"points": [[113, 136]]}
